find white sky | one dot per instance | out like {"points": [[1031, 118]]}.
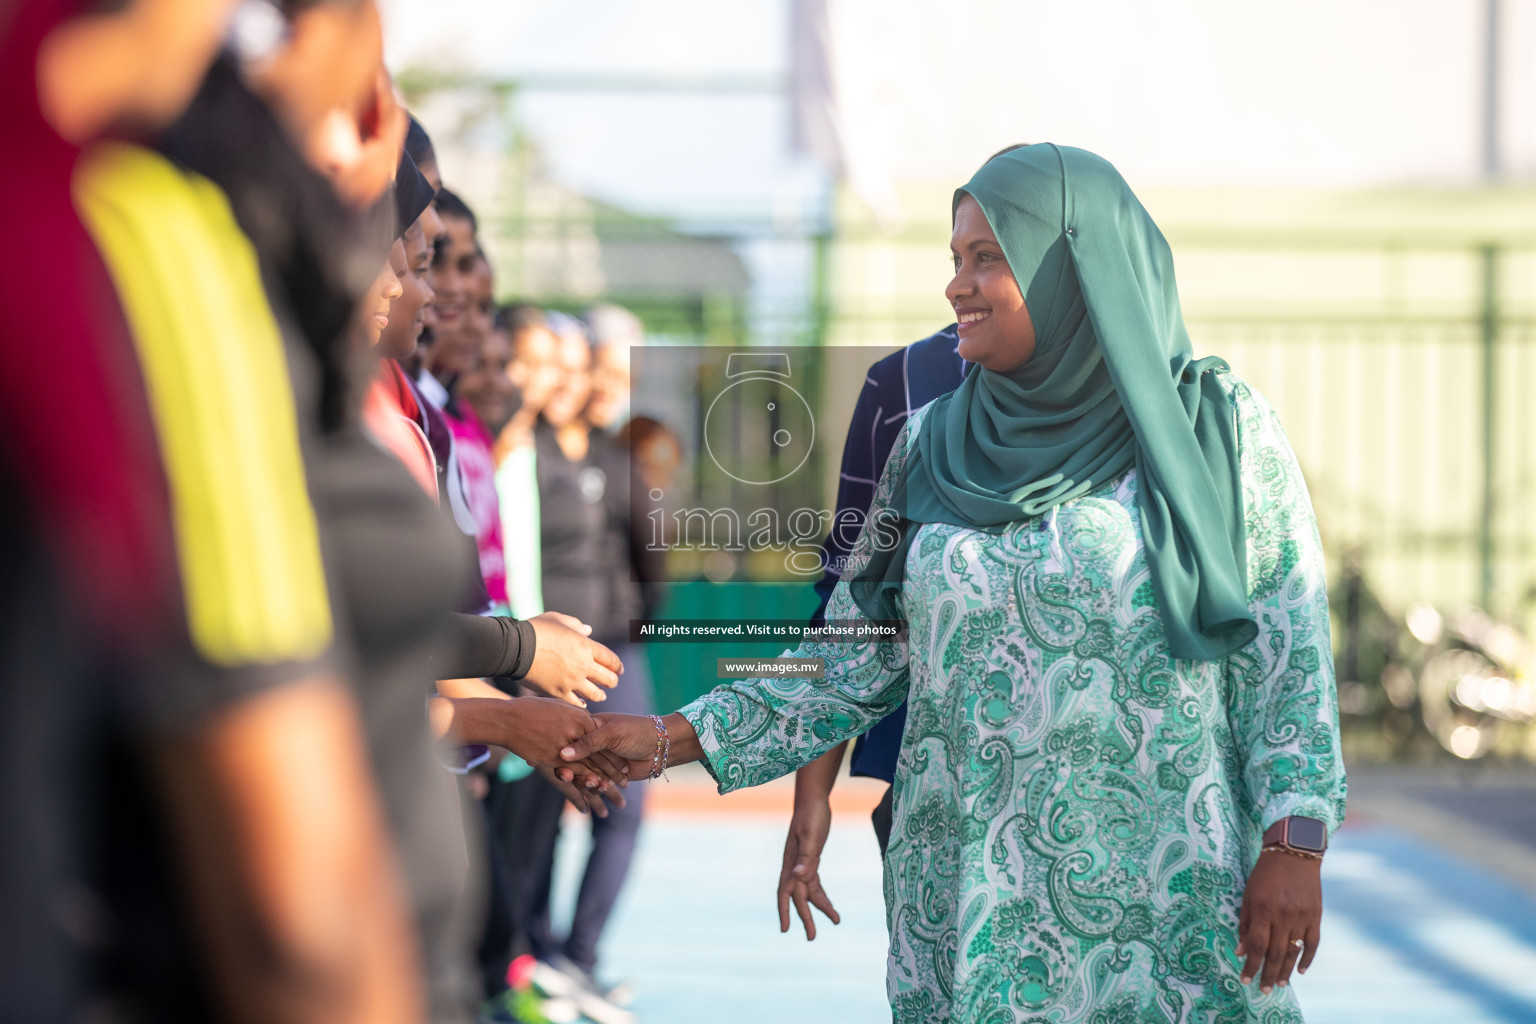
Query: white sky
{"points": [[1308, 93]]}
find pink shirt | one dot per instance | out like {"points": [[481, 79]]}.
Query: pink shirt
{"points": [[477, 467]]}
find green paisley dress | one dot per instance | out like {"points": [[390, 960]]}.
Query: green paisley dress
{"points": [[1076, 812]]}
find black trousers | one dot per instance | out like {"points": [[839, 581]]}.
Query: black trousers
{"points": [[522, 824], [613, 841]]}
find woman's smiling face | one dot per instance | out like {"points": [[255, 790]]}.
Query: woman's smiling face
{"points": [[995, 328]]}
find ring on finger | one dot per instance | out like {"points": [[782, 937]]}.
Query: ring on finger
{"points": [[1299, 943]]}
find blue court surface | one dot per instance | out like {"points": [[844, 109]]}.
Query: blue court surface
{"points": [[1410, 934]]}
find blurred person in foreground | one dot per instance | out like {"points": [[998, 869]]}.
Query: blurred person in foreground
{"points": [[320, 258], [1122, 739], [226, 855], [323, 261]]}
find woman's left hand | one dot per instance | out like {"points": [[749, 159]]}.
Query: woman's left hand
{"points": [[1283, 902]]}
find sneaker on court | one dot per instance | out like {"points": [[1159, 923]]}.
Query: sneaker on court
{"points": [[552, 981], [590, 998], [620, 993]]}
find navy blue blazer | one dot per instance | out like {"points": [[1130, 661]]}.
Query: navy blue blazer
{"points": [[895, 387]]}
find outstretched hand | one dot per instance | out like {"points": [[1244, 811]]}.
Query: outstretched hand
{"points": [[566, 664], [799, 878]]}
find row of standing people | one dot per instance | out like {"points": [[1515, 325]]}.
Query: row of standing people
{"points": [[533, 400], [250, 600]]}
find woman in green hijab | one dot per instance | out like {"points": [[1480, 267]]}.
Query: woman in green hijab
{"points": [[1121, 761]]}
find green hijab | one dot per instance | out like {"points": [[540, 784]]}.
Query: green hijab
{"points": [[1112, 386]]}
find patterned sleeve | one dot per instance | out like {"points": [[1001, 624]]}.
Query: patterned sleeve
{"points": [[1283, 704], [755, 730]]}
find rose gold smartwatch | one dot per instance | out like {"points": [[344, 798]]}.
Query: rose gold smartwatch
{"points": [[1305, 837]]}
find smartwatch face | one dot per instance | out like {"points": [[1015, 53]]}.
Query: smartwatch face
{"points": [[1307, 834]]}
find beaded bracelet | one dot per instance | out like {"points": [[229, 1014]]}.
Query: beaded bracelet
{"points": [[663, 750], [1292, 851], [660, 740]]}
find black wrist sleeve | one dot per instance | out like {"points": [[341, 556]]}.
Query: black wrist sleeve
{"points": [[487, 645], [526, 643]]}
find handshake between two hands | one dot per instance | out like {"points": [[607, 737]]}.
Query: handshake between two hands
{"points": [[588, 757], [547, 734]]}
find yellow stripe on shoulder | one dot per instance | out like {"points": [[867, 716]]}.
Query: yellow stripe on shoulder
{"points": [[218, 384]]}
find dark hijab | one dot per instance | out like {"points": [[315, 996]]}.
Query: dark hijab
{"points": [[413, 194], [418, 144]]}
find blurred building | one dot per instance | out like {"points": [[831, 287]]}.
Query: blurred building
{"points": [[553, 245]]}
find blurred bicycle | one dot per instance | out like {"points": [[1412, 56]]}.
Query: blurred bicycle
{"points": [[1377, 680], [1476, 686], [1463, 682]]}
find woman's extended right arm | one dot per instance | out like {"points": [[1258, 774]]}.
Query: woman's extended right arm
{"points": [[751, 731]]}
